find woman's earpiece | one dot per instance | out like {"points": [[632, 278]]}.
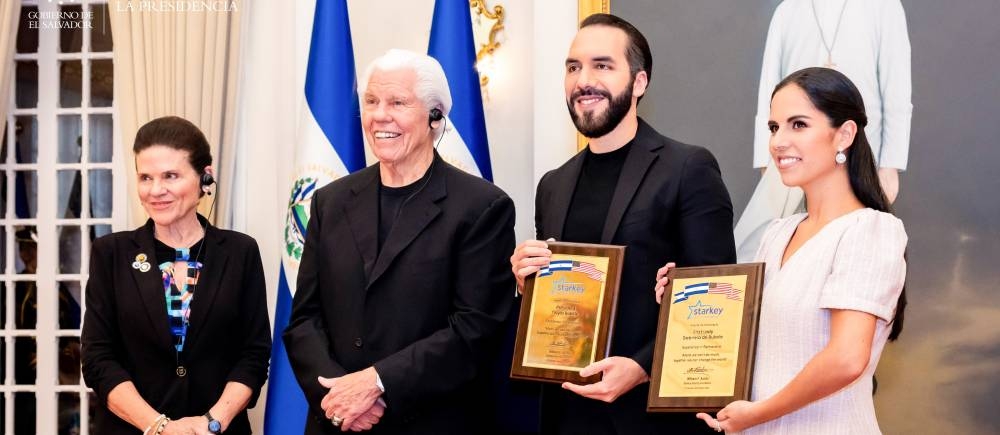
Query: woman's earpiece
{"points": [[206, 181]]}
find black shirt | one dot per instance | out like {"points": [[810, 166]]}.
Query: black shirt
{"points": [[165, 253], [592, 197], [391, 201]]}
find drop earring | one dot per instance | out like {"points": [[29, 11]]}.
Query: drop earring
{"points": [[840, 158]]}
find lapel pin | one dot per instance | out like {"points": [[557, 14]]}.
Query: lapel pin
{"points": [[140, 263]]}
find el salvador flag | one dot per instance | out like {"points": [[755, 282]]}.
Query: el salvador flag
{"points": [[691, 290], [464, 142], [555, 266], [328, 146]]}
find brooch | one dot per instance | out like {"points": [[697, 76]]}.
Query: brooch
{"points": [[140, 263]]}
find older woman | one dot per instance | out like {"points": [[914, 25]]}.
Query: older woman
{"points": [[833, 286], [402, 284], [175, 338]]}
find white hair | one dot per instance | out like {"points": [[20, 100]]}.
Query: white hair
{"points": [[431, 86]]}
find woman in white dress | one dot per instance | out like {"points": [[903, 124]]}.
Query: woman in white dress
{"points": [[833, 283]]}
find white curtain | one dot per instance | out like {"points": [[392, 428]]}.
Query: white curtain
{"points": [[184, 64], [10, 11]]}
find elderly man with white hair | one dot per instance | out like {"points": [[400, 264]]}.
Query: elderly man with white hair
{"points": [[402, 285]]}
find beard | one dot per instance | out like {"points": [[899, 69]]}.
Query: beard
{"points": [[592, 124]]}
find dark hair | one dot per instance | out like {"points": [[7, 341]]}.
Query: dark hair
{"points": [[640, 58], [177, 133], [836, 96]]}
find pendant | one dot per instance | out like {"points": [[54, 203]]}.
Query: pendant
{"points": [[829, 63], [181, 371]]}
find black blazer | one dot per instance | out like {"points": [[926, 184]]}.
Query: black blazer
{"points": [[670, 204], [126, 337], [425, 311]]}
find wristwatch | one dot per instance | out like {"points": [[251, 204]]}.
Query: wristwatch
{"points": [[214, 426]]}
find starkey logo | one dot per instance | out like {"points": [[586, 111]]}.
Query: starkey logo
{"points": [[703, 310], [561, 286]]}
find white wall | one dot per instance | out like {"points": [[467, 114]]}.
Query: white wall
{"points": [[378, 25], [525, 105], [555, 24]]}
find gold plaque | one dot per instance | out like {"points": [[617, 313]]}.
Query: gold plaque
{"points": [[567, 313], [706, 338]]}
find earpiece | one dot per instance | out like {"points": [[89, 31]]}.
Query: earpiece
{"points": [[206, 181], [435, 115]]}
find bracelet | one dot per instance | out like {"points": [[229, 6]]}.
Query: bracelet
{"points": [[154, 423], [163, 425]]}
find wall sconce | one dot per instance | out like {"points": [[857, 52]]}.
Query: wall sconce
{"points": [[485, 26]]}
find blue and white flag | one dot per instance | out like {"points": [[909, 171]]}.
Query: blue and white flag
{"points": [[720, 288], [575, 266], [555, 266], [328, 146], [464, 142]]}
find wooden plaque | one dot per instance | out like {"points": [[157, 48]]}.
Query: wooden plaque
{"points": [[706, 338], [567, 313]]}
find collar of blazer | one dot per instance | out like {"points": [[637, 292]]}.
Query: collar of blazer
{"points": [[417, 212], [150, 284], [640, 158]]}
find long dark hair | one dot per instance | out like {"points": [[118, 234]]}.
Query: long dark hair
{"points": [[836, 96]]}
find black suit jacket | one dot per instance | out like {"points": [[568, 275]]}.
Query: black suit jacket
{"points": [[424, 311], [126, 337], [670, 204]]}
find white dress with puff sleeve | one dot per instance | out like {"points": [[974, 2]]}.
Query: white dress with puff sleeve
{"points": [[855, 262]]}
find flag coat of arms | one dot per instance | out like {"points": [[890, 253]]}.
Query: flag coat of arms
{"points": [[329, 145]]}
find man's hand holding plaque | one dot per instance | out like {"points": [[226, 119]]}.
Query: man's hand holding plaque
{"points": [[528, 258], [618, 375]]}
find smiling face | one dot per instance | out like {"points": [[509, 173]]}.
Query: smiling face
{"points": [[395, 121], [803, 141], [600, 88], [169, 187]]}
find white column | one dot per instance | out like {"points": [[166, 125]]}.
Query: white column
{"points": [[48, 240], [554, 135]]}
